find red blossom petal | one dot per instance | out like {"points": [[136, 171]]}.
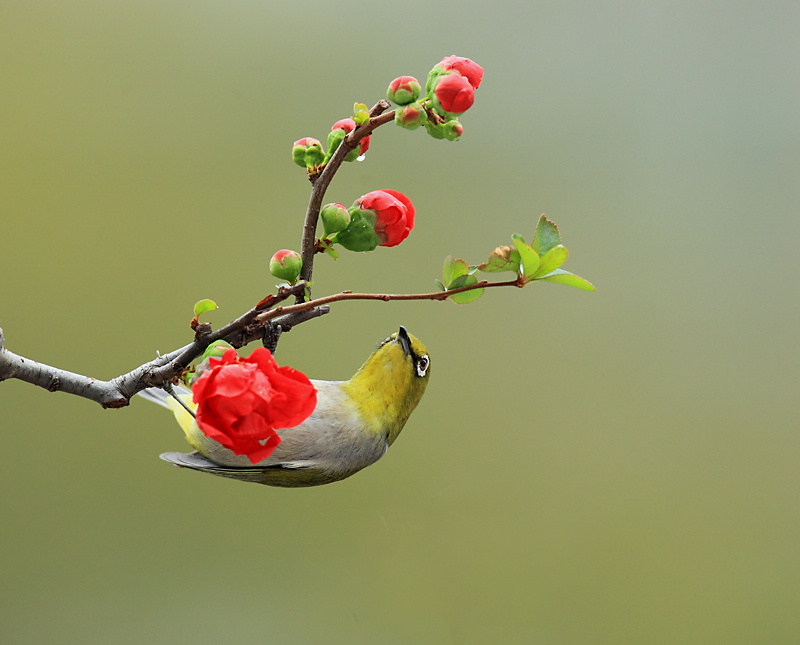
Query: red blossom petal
{"points": [[464, 66], [242, 401], [348, 125], [454, 93]]}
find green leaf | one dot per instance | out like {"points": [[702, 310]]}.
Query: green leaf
{"points": [[530, 260], [453, 268], [518, 237], [553, 259], [547, 236], [360, 114], [466, 296], [570, 279], [203, 306], [440, 284], [503, 258]]}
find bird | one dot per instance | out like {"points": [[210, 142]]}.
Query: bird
{"points": [[351, 427]]}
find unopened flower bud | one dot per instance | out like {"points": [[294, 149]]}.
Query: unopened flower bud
{"points": [[410, 116], [286, 265], [380, 218], [335, 218], [345, 127], [436, 130], [307, 152], [452, 93], [217, 349], [335, 138], [464, 66], [453, 130], [403, 90]]}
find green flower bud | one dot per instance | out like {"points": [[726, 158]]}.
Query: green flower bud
{"points": [[436, 130], [403, 90], [453, 130], [410, 116], [286, 265], [307, 152], [335, 218], [335, 139], [217, 348], [435, 73], [360, 234]]}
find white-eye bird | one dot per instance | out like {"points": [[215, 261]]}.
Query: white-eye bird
{"points": [[352, 426]]}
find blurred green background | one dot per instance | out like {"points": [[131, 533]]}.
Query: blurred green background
{"points": [[617, 467]]}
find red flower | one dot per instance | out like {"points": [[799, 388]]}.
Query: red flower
{"points": [[464, 66], [241, 402], [454, 93], [395, 215], [348, 125]]}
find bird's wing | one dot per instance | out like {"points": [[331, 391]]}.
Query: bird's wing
{"points": [[258, 474]]}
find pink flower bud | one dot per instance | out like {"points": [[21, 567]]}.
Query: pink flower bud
{"points": [[348, 125], [307, 152], [410, 116], [453, 93], [403, 90], [464, 66], [286, 265]]}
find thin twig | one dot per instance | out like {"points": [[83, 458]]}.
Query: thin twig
{"points": [[386, 297], [323, 180]]}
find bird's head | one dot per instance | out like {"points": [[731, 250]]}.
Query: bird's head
{"points": [[391, 382]]}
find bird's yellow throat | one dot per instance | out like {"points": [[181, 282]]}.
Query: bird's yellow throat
{"points": [[387, 388]]}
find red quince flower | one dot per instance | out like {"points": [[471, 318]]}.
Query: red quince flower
{"points": [[464, 66], [395, 214], [454, 93], [380, 218], [241, 402]]}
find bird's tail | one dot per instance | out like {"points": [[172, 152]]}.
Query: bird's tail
{"points": [[161, 397]]}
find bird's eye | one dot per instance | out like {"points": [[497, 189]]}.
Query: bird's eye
{"points": [[422, 365]]}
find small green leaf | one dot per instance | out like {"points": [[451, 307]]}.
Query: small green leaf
{"points": [[453, 268], [530, 260], [547, 236], [503, 258], [360, 114], [553, 259], [203, 306], [466, 296], [570, 279], [441, 286], [518, 237]]}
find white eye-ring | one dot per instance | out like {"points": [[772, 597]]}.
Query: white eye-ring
{"points": [[422, 365]]}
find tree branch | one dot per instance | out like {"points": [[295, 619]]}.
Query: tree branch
{"points": [[386, 297], [261, 322], [323, 180], [118, 392]]}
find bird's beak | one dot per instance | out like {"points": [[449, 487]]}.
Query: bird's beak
{"points": [[404, 340]]}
